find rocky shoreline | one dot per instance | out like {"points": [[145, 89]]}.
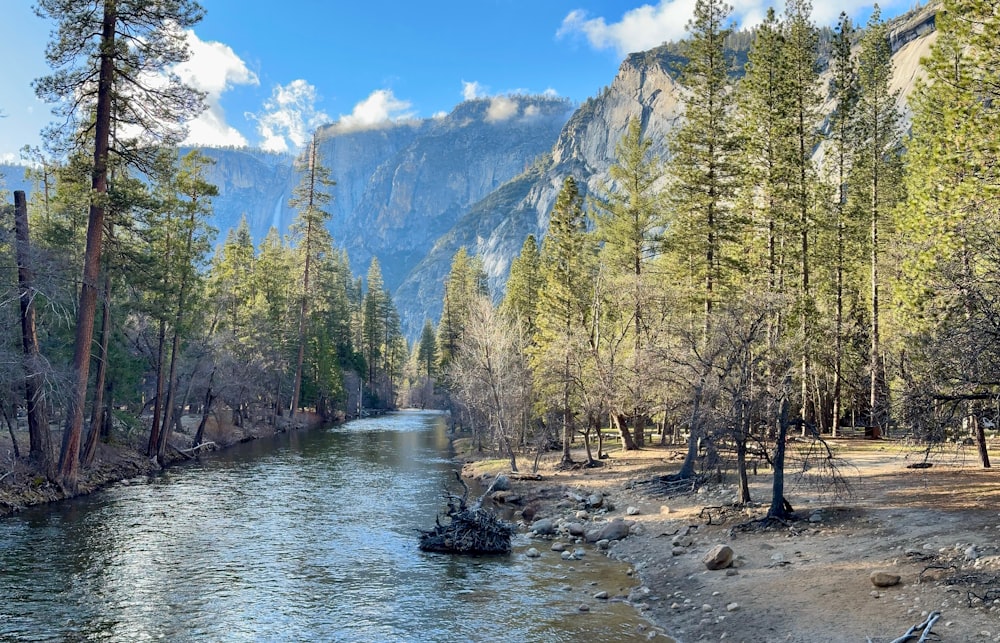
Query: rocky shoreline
{"points": [[904, 547]]}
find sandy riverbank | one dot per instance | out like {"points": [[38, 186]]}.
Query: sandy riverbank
{"points": [[937, 528]]}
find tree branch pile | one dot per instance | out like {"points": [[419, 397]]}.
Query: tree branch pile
{"points": [[470, 529]]}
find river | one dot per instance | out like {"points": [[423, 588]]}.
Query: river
{"points": [[311, 536]]}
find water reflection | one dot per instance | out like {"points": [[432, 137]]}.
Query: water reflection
{"points": [[309, 537]]}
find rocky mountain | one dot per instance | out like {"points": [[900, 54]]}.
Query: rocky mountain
{"points": [[645, 87]]}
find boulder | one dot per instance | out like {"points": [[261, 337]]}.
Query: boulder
{"points": [[884, 579], [502, 483], [718, 557], [543, 527], [595, 500], [575, 529], [617, 529]]}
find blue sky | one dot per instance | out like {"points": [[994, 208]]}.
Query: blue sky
{"points": [[276, 69]]}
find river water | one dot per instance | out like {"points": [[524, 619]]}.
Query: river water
{"points": [[311, 536]]}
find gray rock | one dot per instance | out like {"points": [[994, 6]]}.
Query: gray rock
{"points": [[502, 483], [543, 527], [603, 544], [558, 546], [884, 579], [602, 595], [567, 555], [595, 500], [575, 529], [632, 511], [579, 553], [678, 551], [532, 553], [617, 529], [718, 557]]}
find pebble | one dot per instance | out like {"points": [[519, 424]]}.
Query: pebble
{"points": [[601, 595], [732, 607], [532, 553], [706, 608], [632, 511], [584, 608]]}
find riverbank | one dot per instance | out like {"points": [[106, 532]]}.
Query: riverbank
{"points": [[936, 528], [23, 485]]}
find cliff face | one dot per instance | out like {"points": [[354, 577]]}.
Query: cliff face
{"points": [[495, 228]]}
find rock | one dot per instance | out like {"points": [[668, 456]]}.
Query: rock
{"points": [[582, 515], [603, 544], [971, 553], [504, 497], [816, 517], [632, 511], [706, 608], [584, 608], [532, 553], [718, 557], [543, 527], [678, 551], [617, 529], [567, 555], [884, 579], [601, 595], [732, 607], [575, 529], [558, 546], [664, 509], [579, 553], [502, 483], [595, 500], [635, 529], [528, 513], [682, 541]]}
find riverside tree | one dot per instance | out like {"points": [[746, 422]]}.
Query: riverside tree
{"points": [[128, 46]]}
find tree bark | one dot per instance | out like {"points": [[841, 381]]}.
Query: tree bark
{"points": [[69, 463], [206, 408], [984, 454], [97, 413], [40, 447], [778, 508]]}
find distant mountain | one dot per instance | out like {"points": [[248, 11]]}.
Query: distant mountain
{"points": [[12, 178]]}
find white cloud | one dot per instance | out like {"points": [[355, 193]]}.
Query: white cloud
{"points": [[214, 69], [380, 108], [651, 25], [472, 90], [439, 115], [289, 117], [550, 93], [501, 109]]}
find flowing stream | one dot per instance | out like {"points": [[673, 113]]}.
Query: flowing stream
{"points": [[311, 536]]}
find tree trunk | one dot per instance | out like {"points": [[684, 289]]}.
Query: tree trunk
{"points": [[40, 447], [97, 414], [984, 455], [779, 506], [687, 469], [10, 429], [622, 425], [69, 463], [154, 430], [206, 408]]}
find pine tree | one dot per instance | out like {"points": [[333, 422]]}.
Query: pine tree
{"points": [[309, 230], [465, 281], [703, 160], [565, 269], [124, 44], [879, 174], [520, 300], [427, 350]]}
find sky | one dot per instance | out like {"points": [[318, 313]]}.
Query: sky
{"points": [[273, 70]]}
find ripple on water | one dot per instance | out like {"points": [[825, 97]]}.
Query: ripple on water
{"points": [[312, 537]]}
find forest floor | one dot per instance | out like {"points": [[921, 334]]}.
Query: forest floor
{"points": [[22, 484], [938, 528]]}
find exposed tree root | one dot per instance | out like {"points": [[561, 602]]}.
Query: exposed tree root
{"points": [[671, 485], [469, 530]]}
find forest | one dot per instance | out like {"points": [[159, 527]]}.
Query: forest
{"points": [[787, 268], [161, 324], [780, 273]]}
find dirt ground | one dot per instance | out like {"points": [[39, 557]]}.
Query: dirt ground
{"points": [[938, 528]]}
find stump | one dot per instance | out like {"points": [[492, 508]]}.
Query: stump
{"points": [[469, 530]]}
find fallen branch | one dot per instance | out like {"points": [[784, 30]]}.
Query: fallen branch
{"points": [[924, 629], [470, 530]]}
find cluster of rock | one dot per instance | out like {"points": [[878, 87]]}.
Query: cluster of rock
{"points": [[585, 520]]}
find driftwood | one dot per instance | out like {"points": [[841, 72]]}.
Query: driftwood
{"points": [[923, 629], [470, 529]]}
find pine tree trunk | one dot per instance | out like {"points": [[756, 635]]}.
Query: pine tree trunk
{"points": [[69, 463], [97, 412], [40, 447], [154, 430], [778, 508]]}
